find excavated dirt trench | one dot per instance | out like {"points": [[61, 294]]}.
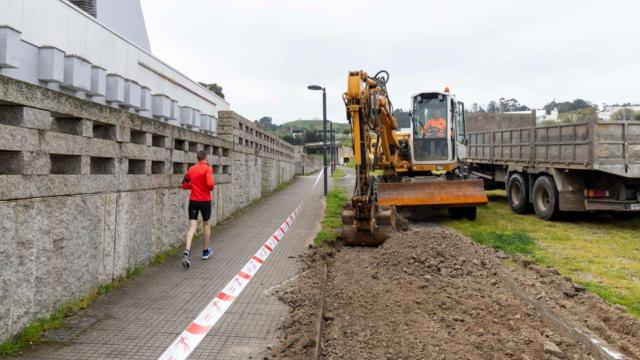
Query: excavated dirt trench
{"points": [[430, 293]]}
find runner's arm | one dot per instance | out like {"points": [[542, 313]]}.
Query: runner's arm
{"points": [[210, 182], [186, 183]]}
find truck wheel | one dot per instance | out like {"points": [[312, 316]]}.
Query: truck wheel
{"points": [[471, 213], [456, 213], [546, 199], [518, 194]]}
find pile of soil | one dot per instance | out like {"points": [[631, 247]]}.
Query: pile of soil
{"points": [[431, 293]]}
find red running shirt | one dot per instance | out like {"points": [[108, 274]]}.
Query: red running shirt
{"points": [[199, 179]]}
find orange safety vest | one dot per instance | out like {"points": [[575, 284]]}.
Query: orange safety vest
{"points": [[440, 124]]}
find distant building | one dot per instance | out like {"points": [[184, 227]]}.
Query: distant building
{"points": [[541, 115], [297, 133], [608, 110]]}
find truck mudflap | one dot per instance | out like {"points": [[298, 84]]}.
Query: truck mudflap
{"points": [[611, 205]]}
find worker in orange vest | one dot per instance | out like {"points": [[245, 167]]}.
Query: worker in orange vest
{"points": [[435, 127]]}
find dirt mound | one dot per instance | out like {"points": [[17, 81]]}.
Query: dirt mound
{"points": [[430, 293]]}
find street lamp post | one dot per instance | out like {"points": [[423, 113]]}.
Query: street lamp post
{"points": [[324, 127], [332, 144]]}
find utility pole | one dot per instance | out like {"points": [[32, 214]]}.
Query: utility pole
{"points": [[324, 127]]}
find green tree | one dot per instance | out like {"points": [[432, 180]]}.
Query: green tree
{"points": [[266, 122], [214, 88], [569, 106], [579, 116], [625, 114]]}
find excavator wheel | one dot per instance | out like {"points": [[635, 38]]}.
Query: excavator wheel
{"points": [[358, 232]]}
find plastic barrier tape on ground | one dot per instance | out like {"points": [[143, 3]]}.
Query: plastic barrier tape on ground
{"points": [[191, 337]]}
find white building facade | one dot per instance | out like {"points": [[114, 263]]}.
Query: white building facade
{"points": [[54, 44]]}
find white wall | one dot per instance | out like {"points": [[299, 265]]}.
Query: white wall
{"points": [[126, 18], [60, 24]]}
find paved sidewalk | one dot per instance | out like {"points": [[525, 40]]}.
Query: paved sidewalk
{"points": [[141, 320]]}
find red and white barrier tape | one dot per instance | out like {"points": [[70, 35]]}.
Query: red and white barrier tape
{"points": [[191, 337]]}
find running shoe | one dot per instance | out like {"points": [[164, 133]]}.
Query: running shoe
{"points": [[207, 253], [186, 259]]}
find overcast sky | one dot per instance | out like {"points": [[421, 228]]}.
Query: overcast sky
{"points": [[265, 53]]}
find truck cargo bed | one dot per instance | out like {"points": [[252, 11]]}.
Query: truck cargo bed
{"points": [[612, 147]]}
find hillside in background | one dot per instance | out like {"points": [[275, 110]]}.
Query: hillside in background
{"points": [[287, 128]]}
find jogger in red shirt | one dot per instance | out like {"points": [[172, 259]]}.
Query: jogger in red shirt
{"points": [[199, 179]]}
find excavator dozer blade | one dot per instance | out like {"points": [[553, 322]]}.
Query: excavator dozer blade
{"points": [[358, 232], [432, 193]]}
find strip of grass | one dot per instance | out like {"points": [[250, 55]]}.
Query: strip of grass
{"points": [[332, 221], [594, 250], [32, 333]]}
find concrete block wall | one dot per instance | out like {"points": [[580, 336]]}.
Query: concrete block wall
{"points": [[88, 191]]}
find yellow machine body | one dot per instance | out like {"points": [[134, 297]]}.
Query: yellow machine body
{"points": [[419, 161]]}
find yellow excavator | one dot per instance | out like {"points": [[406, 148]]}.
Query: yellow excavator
{"points": [[414, 162]]}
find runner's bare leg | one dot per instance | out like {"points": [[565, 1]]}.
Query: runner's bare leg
{"points": [[193, 226], [207, 235]]}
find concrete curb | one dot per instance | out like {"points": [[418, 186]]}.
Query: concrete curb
{"points": [[598, 348]]}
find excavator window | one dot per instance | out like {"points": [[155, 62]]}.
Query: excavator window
{"points": [[430, 128]]}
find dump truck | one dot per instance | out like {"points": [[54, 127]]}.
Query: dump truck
{"points": [[414, 164], [551, 169]]}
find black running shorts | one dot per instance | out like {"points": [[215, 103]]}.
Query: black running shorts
{"points": [[203, 207]]}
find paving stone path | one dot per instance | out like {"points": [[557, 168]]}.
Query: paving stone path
{"points": [[141, 320]]}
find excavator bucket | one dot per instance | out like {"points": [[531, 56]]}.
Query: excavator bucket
{"points": [[360, 232], [432, 193]]}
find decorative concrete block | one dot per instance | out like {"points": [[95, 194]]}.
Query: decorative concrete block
{"points": [[175, 111], [196, 120], [77, 73], [204, 122], [213, 125], [50, 64], [115, 88], [132, 94], [24, 116], [145, 99], [98, 81], [186, 116], [9, 47], [161, 106]]}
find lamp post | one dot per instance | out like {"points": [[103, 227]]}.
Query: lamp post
{"points": [[324, 127], [332, 143]]}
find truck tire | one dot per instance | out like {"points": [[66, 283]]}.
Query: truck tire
{"points": [[471, 213], [546, 199], [518, 194], [456, 213]]}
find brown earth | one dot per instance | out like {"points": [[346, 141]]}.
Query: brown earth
{"points": [[430, 293]]}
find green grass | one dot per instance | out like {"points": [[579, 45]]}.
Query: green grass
{"points": [[332, 221], [510, 243], [596, 251], [32, 333]]}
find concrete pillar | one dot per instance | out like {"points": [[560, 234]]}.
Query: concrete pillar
{"points": [[174, 118], [9, 47], [115, 88], [98, 81], [161, 107], [186, 116], [77, 73], [50, 64], [145, 99], [132, 94]]}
